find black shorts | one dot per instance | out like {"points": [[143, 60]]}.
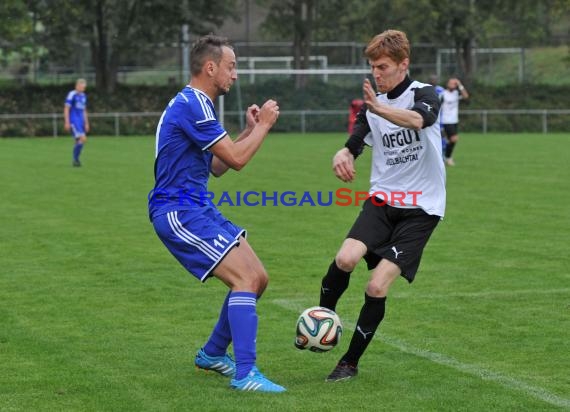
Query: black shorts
{"points": [[451, 129], [396, 234]]}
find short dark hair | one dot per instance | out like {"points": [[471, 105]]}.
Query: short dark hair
{"points": [[206, 48]]}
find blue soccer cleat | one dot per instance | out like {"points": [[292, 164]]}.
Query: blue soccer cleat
{"points": [[224, 365], [255, 381]]}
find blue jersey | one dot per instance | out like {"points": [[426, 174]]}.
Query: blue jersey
{"points": [[439, 90], [77, 103], [187, 129]]}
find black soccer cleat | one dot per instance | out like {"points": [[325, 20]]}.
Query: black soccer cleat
{"points": [[76, 163], [342, 372]]}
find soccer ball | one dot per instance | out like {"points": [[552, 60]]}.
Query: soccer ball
{"points": [[318, 329]]}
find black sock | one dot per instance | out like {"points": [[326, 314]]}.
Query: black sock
{"points": [[449, 149], [371, 315], [333, 285]]}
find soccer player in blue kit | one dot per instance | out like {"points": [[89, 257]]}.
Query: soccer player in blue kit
{"points": [[76, 119], [190, 144], [433, 80]]}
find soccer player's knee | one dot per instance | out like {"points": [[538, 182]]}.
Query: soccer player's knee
{"points": [[262, 279], [346, 261], [454, 139], [250, 283], [257, 281], [377, 290]]}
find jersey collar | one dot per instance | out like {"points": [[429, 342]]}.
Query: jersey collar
{"points": [[201, 92], [399, 89]]}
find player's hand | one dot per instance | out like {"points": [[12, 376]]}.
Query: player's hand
{"points": [[251, 116], [268, 113], [87, 127], [343, 165], [66, 127], [370, 97]]}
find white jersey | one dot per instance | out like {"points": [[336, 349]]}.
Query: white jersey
{"points": [[450, 106], [407, 167]]}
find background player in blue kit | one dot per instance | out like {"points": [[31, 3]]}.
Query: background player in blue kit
{"points": [[433, 80], [76, 119], [191, 144]]}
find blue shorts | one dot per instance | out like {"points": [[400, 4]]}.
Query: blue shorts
{"points": [[77, 130], [199, 238]]}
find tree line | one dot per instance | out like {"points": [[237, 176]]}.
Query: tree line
{"points": [[118, 31]]}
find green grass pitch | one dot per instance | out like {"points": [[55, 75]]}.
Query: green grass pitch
{"points": [[95, 315]]}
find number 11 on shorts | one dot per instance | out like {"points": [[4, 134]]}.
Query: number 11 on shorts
{"points": [[217, 242]]}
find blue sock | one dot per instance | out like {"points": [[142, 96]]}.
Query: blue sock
{"points": [[221, 336], [77, 151], [243, 324]]}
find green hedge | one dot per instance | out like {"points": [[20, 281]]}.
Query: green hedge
{"points": [[316, 96]]}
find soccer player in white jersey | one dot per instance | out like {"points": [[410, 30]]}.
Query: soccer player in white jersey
{"points": [[76, 119], [407, 193], [190, 144], [454, 92]]}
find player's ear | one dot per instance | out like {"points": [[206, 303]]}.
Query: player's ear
{"points": [[210, 68], [405, 64]]}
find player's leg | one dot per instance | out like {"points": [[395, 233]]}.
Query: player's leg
{"points": [[443, 141], [337, 278], [371, 315], [244, 273], [221, 336], [206, 245], [213, 355], [241, 270], [80, 139], [452, 141], [79, 143], [200, 244], [449, 150], [370, 228], [401, 255]]}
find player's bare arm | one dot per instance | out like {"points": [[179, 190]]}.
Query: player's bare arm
{"points": [[66, 124], [218, 167], [462, 90], [343, 160], [343, 165], [86, 119], [401, 117], [236, 154]]}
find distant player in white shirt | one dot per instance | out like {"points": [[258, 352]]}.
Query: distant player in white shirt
{"points": [[407, 193], [450, 97]]}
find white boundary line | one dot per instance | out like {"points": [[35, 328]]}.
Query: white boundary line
{"points": [[441, 359]]}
